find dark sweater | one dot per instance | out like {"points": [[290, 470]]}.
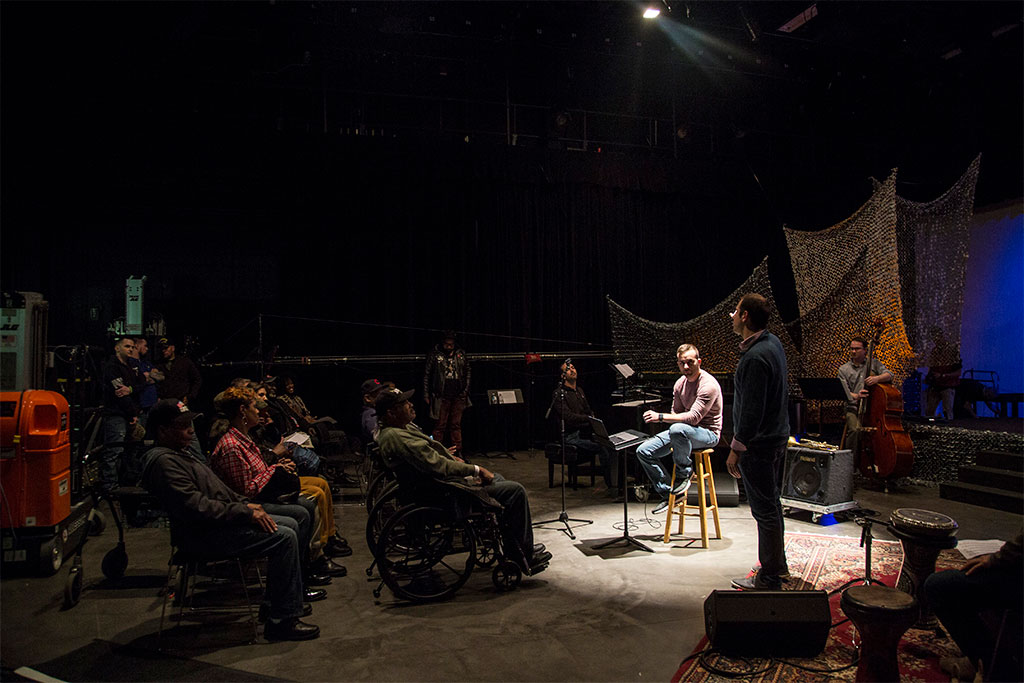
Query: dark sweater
{"points": [[125, 406], [181, 380], [760, 408], [576, 409]]}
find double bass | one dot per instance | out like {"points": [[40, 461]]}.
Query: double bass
{"points": [[886, 450]]}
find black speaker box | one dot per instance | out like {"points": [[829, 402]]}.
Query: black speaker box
{"points": [[819, 477], [767, 623]]}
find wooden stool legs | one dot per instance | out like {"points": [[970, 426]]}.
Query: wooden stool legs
{"points": [[705, 486]]}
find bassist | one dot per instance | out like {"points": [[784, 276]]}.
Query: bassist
{"points": [[857, 375]]}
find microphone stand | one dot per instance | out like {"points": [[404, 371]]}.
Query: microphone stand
{"points": [[563, 516]]}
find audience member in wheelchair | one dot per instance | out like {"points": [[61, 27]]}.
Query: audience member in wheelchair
{"points": [[122, 386], [210, 519], [403, 442], [238, 461]]}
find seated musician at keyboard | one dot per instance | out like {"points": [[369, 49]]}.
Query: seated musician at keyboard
{"points": [[401, 441], [694, 423], [574, 409]]}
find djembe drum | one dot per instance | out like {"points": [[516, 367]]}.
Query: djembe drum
{"points": [[923, 534], [882, 615]]}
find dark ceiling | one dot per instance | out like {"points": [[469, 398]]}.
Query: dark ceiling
{"points": [[863, 86]]}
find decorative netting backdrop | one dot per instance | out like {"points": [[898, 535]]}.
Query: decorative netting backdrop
{"points": [[933, 241], [650, 346], [894, 262]]}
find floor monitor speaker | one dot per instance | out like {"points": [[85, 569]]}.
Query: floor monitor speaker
{"points": [[767, 623], [819, 477]]}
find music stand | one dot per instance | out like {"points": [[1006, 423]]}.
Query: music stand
{"points": [[820, 389], [602, 437], [504, 397]]}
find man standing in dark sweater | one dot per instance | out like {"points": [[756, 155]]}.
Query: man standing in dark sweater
{"points": [[121, 388], [181, 376], [760, 431], [569, 403]]}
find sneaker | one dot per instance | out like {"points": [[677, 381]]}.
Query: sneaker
{"points": [[754, 582], [682, 488], [784, 574], [660, 508]]}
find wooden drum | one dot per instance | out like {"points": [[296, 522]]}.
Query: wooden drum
{"points": [[923, 534], [882, 615]]}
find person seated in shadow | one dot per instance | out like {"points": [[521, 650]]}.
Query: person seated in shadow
{"points": [[401, 441], [209, 519], [369, 426], [239, 462], [569, 405], [958, 597]]}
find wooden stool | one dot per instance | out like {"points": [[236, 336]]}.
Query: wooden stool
{"points": [[702, 468]]}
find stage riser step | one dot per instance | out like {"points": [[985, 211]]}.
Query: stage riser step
{"points": [[984, 496], [992, 477], [1000, 460]]}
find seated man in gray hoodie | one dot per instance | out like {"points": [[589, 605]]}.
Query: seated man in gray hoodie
{"points": [[208, 519]]}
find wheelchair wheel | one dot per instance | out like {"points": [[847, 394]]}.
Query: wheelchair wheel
{"points": [[487, 546], [384, 509], [377, 487], [424, 554], [506, 576]]}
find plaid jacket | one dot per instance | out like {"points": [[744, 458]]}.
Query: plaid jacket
{"points": [[237, 461]]}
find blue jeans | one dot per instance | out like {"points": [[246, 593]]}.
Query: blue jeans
{"points": [[115, 427], [303, 517], [307, 462], [958, 600], [680, 440], [761, 469], [282, 549]]}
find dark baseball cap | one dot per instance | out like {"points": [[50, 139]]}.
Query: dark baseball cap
{"points": [[371, 386], [389, 398], [164, 342], [170, 412]]}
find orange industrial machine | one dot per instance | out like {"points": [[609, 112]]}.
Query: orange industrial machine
{"points": [[37, 520]]}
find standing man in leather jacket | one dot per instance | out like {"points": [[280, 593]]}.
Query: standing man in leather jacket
{"points": [[446, 389]]}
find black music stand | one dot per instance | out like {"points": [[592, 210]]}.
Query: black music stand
{"points": [[820, 389], [629, 540], [505, 397]]}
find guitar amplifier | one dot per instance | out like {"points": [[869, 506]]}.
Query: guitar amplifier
{"points": [[818, 477]]}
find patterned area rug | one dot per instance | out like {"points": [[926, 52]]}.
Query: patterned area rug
{"points": [[826, 563]]}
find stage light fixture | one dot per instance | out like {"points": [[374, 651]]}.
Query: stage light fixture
{"points": [[651, 12]]}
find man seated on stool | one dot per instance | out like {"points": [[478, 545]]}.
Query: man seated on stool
{"points": [[695, 424], [399, 440], [208, 519]]}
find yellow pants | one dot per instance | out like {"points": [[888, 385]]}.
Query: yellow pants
{"points": [[319, 490]]}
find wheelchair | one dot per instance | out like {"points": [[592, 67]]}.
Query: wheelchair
{"points": [[435, 534]]}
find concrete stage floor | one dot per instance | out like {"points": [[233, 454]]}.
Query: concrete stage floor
{"points": [[611, 615]]}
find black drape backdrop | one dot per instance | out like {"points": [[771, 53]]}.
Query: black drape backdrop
{"points": [[514, 247]]}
